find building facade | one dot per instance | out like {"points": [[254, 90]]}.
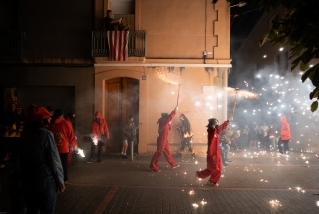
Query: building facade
{"points": [[178, 54]]}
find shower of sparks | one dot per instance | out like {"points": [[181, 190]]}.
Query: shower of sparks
{"points": [[167, 74], [241, 93], [282, 96], [80, 152]]}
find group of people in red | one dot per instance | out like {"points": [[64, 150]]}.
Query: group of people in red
{"points": [[13, 123], [40, 162], [46, 143], [214, 159]]}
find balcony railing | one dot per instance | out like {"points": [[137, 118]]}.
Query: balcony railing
{"points": [[13, 46], [136, 44]]}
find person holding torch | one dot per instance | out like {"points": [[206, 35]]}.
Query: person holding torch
{"points": [[214, 160], [164, 125], [99, 134]]}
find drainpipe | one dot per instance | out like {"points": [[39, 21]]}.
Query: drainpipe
{"points": [[205, 22]]}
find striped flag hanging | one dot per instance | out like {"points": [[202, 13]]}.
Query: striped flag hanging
{"points": [[118, 45]]}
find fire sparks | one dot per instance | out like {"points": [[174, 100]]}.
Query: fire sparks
{"points": [[241, 93], [168, 74], [79, 152], [94, 139]]}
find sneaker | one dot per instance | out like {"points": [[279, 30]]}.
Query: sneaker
{"points": [[229, 160], [155, 170], [174, 167], [225, 164], [67, 182], [89, 161], [211, 183], [99, 160], [125, 156], [196, 175]]}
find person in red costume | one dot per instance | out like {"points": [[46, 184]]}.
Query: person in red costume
{"points": [[214, 160], [164, 125], [285, 136], [64, 137], [99, 129], [70, 119]]}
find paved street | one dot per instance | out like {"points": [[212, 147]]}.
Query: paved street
{"points": [[255, 182]]}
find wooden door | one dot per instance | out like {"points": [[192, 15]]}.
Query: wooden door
{"points": [[122, 100]]}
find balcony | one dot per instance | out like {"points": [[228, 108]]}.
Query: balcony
{"points": [[13, 46], [136, 44]]}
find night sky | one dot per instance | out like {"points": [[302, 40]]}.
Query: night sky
{"points": [[242, 20]]}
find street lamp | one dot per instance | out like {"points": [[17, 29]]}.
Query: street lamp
{"points": [[240, 4]]}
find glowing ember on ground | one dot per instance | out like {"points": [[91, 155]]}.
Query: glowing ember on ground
{"points": [[275, 203], [203, 202]]}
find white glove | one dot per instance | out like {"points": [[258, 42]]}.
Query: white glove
{"points": [[176, 108]]}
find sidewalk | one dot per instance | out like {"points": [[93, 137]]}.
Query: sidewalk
{"points": [[253, 183]]}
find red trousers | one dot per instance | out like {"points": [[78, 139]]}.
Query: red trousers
{"points": [[214, 170], [157, 156]]}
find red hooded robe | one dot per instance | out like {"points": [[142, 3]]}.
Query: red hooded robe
{"points": [[214, 160], [63, 135], [285, 129], [97, 129]]}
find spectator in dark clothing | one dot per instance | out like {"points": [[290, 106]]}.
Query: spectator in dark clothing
{"points": [[20, 118], [8, 120], [109, 21], [41, 168]]}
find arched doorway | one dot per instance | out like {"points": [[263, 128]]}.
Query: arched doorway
{"points": [[121, 100]]}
